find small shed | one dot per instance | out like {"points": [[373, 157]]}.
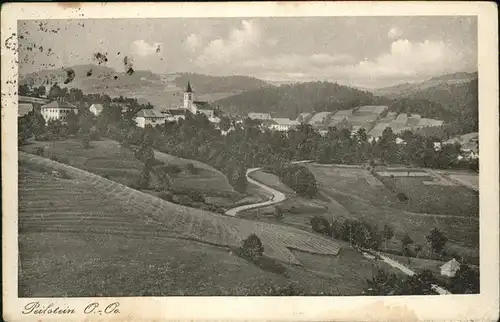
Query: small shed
{"points": [[450, 268]]}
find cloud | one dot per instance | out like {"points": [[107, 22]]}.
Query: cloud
{"points": [[239, 43], [405, 61], [192, 42], [143, 48], [394, 33], [411, 59], [294, 63]]}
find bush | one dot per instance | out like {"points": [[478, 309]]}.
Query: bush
{"points": [[40, 151], [191, 169], [86, 142], [168, 196], [55, 158], [299, 178], [251, 248], [196, 196], [171, 169], [402, 197], [320, 225]]}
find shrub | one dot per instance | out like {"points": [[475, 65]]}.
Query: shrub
{"points": [[86, 142], [320, 225], [55, 158], [171, 169], [40, 151], [402, 197], [251, 248], [168, 196], [191, 169], [196, 196]]}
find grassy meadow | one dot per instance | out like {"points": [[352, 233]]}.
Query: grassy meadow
{"points": [[131, 243]]}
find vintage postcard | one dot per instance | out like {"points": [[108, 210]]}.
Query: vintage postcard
{"points": [[326, 161]]}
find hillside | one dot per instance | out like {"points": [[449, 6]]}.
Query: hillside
{"points": [[134, 244], [205, 84], [292, 99], [448, 90], [163, 91]]}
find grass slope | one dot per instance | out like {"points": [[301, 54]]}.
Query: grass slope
{"points": [[171, 219]]}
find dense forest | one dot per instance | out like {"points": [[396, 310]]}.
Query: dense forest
{"points": [[290, 100], [205, 84]]}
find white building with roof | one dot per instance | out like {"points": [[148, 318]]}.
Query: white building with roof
{"points": [[151, 117], [283, 124], [450, 268], [96, 109], [57, 110], [320, 118], [259, 116]]}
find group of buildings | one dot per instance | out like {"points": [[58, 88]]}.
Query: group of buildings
{"points": [[373, 118], [59, 109]]}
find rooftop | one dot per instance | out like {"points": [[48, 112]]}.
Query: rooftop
{"points": [[149, 114], [57, 104], [285, 121]]}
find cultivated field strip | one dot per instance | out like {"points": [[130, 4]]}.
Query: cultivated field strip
{"points": [[88, 203]]}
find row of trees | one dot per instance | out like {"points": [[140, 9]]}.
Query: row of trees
{"points": [[362, 234]]}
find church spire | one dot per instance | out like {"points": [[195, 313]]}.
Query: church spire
{"points": [[188, 89]]}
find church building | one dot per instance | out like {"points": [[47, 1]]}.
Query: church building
{"points": [[196, 107]]}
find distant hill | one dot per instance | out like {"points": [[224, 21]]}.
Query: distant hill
{"points": [[292, 99], [452, 97], [448, 90], [163, 91], [205, 84]]}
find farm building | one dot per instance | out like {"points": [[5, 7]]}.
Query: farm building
{"points": [[283, 124], [175, 114], [450, 268], [149, 117], [259, 116], [320, 118], [24, 108], [342, 115], [35, 101], [377, 131], [372, 109], [304, 117], [57, 110], [96, 109], [424, 122]]}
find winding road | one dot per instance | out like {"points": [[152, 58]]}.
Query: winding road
{"points": [[277, 195]]}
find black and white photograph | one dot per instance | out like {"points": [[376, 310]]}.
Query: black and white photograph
{"points": [[268, 156]]}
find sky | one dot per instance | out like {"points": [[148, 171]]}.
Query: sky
{"points": [[360, 51]]}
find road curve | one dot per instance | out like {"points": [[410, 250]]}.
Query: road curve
{"points": [[277, 195]]}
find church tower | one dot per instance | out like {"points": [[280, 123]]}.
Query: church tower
{"points": [[188, 99]]}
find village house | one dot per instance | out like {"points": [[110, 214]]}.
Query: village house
{"points": [[450, 268], [149, 117], [282, 124], [36, 102], [259, 116], [57, 110], [96, 109], [175, 114]]}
